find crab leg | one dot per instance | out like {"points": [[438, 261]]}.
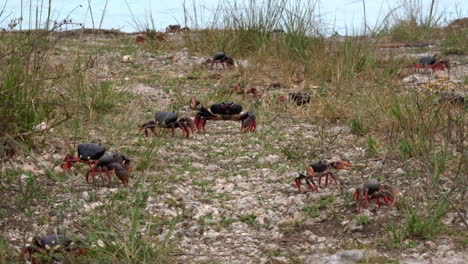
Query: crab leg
{"points": [[335, 178], [298, 184], [310, 186], [378, 202]]}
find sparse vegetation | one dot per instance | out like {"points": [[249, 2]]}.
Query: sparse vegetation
{"points": [[56, 92]]}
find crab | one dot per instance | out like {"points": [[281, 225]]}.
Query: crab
{"points": [[431, 62], [298, 98], [222, 58], [240, 89], [109, 162], [88, 153], [223, 111], [139, 39], [173, 29], [169, 120], [321, 169], [373, 189], [44, 248]]}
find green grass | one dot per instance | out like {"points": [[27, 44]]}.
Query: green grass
{"points": [[354, 87]]}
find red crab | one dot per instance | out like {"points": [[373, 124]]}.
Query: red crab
{"points": [[297, 97], [223, 111], [139, 39], [173, 29], [431, 62], [373, 189], [169, 120], [222, 58], [98, 161], [239, 89], [44, 248], [112, 162], [321, 169]]}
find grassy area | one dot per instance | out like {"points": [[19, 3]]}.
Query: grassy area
{"points": [[57, 92]]}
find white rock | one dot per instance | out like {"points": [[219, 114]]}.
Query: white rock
{"points": [[399, 171], [127, 58], [342, 257], [416, 79], [101, 243], [91, 206], [85, 196], [212, 167], [269, 159]]}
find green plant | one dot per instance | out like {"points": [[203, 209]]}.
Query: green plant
{"points": [[247, 218], [362, 219], [371, 145]]}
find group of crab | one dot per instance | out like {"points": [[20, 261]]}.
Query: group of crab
{"points": [[104, 163], [370, 190], [220, 111]]}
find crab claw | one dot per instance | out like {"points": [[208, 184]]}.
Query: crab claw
{"points": [[151, 125], [248, 122], [302, 176], [66, 166], [187, 123], [69, 160], [122, 173], [341, 165], [195, 104], [298, 184]]}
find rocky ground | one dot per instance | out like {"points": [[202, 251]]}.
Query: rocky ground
{"points": [[219, 197]]}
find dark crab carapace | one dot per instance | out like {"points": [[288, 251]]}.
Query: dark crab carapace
{"points": [[223, 111], [222, 58], [169, 120], [374, 190], [112, 162], [49, 245], [429, 60], [88, 153]]}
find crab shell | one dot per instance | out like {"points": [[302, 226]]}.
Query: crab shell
{"points": [[90, 151]]}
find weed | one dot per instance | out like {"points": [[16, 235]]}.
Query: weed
{"points": [[371, 145], [324, 202], [247, 218], [362, 219], [356, 127]]}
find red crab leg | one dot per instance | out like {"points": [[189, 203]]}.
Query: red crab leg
{"points": [[87, 176], [298, 184], [109, 177], [334, 178], [387, 201], [356, 195], [185, 130], [312, 187], [366, 196]]}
